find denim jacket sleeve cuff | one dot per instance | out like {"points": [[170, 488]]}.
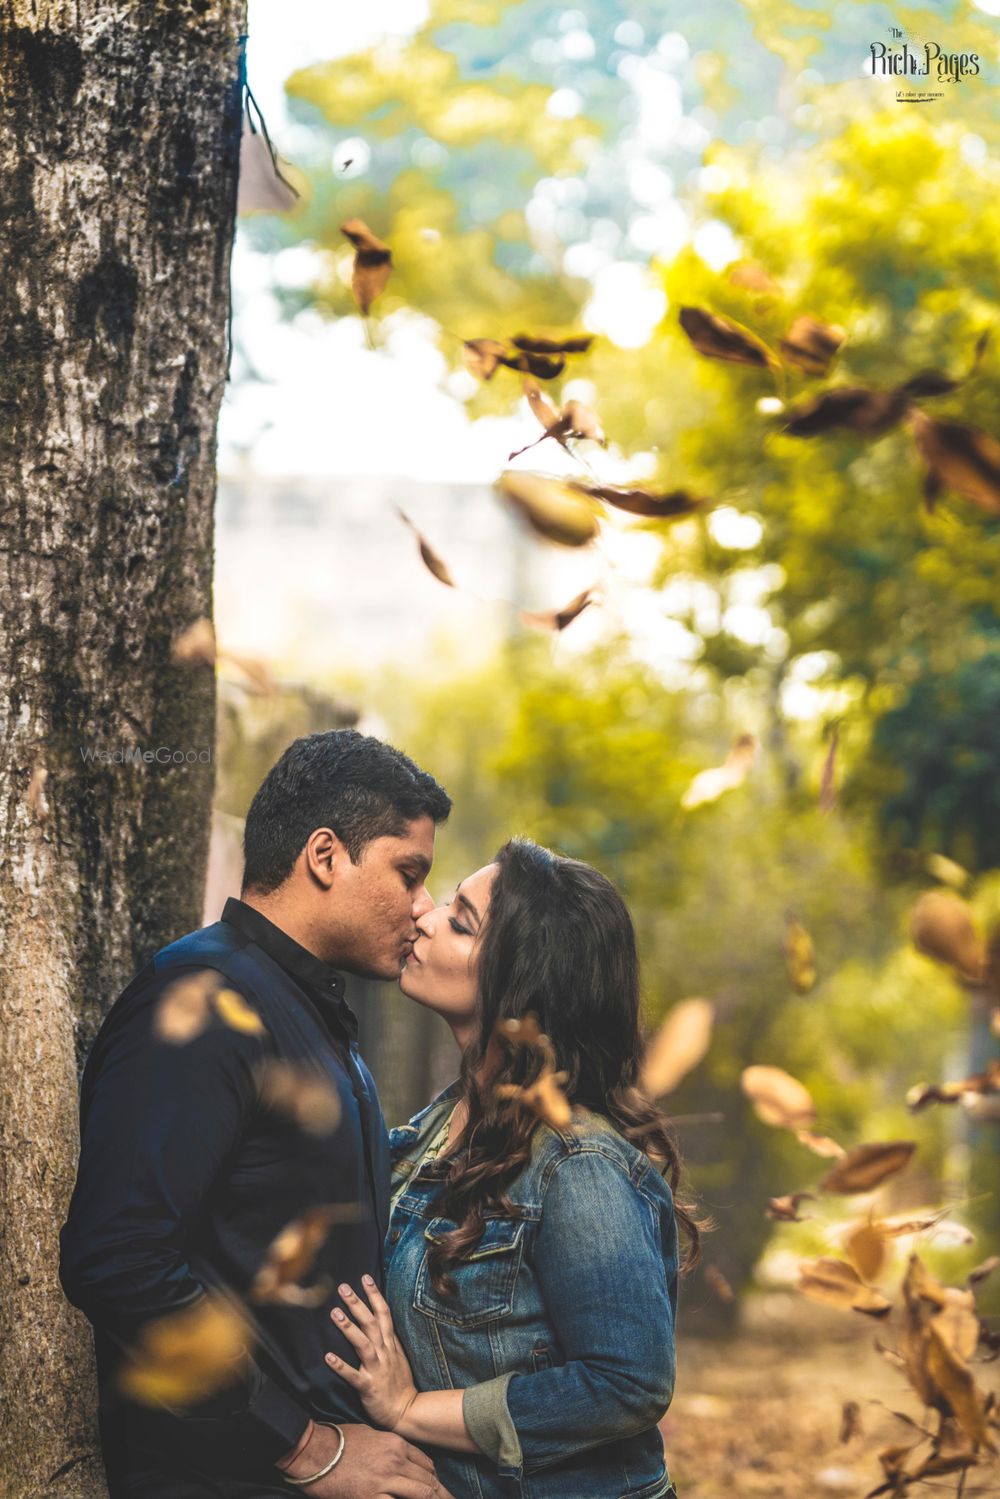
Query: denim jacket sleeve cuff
{"points": [[489, 1424]]}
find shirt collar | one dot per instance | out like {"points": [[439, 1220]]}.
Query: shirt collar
{"points": [[293, 958]]}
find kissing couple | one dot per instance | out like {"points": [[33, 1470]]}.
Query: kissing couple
{"points": [[491, 1312]]}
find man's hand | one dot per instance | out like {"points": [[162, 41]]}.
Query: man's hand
{"points": [[375, 1465]]}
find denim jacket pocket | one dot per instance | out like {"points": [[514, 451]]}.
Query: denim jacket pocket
{"points": [[484, 1279]]}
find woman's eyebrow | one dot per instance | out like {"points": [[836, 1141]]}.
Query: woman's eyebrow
{"points": [[464, 900]]}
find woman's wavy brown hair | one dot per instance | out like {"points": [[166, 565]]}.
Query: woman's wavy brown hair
{"points": [[557, 943]]}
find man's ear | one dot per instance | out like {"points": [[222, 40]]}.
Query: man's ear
{"points": [[325, 856]]}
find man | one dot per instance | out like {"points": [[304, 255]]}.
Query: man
{"points": [[191, 1164]]}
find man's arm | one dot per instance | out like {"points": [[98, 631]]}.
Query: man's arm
{"points": [[160, 1121]]}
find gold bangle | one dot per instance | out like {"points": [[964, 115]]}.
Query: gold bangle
{"points": [[314, 1477]]}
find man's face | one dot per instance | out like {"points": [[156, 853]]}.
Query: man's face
{"points": [[378, 901]]}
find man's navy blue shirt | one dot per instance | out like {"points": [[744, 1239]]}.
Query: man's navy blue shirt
{"points": [[187, 1175]]}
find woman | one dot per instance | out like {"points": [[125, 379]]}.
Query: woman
{"points": [[527, 1336]]}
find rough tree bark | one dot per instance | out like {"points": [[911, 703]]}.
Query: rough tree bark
{"points": [[119, 142]]}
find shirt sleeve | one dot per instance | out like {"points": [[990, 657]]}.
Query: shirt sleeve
{"points": [[159, 1122], [609, 1289]]}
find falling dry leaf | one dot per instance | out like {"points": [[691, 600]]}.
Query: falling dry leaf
{"points": [[574, 420], [573, 343], [984, 1271], [868, 412], [836, 1283], [960, 458], [850, 1420], [753, 277], [800, 955], [942, 928], [291, 1256], [183, 1358], [866, 1249], [433, 563], [372, 263], [196, 644], [671, 506], [37, 800], [678, 1046], [722, 338], [545, 1098], [719, 1285], [866, 1166], [786, 1209], [708, 785], [304, 1094], [558, 619], [184, 1009], [811, 345], [820, 1144], [263, 188], [483, 356], [778, 1098], [234, 1011], [827, 780], [556, 510], [947, 871]]}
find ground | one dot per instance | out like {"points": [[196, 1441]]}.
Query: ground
{"points": [[761, 1414]]}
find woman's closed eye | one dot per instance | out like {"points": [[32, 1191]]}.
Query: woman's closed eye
{"points": [[457, 926]]}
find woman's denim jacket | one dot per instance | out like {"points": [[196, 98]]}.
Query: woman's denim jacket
{"points": [[561, 1331]]}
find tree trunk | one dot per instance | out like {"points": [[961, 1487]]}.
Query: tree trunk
{"points": [[119, 144]]}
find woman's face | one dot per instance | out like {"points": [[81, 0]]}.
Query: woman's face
{"points": [[441, 970]]}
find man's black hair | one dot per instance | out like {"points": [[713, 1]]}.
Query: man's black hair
{"points": [[350, 782]]}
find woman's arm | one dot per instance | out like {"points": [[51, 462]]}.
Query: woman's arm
{"points": [[610, 1297]]}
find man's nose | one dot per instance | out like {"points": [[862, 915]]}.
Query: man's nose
{"points": [[423, 902]]}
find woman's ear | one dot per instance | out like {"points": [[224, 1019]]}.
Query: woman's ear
{"points": [[325, 856]]}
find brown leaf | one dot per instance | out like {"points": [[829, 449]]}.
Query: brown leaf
{"points": [[866, 1166], [37, 801], [947, 871], [719, 1285], [962, 458], [952, 1379], [800, 955], [896, 1228], [558, 619], [372, 263], [678, 1046], [850, 1420], [919, 1096], [866, 1250], [836, 1283], [304, 1094], [433, 563], [708, 785], [786, 1209], [827, 780], [556, 510], [541, 408], [868, 412], [196, 644], [257, 673], [543, 366], [262, 186], [941, 927], [573, 343], [778, 1098], [811, 345], [188, 1355], [290, 1257], [670, 506], [545, 1098], [753, 277], [483, 356], [982, 1272], [184, 1008], [718, 337], [820, 1144], [233, 1010], [583, 423]]}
